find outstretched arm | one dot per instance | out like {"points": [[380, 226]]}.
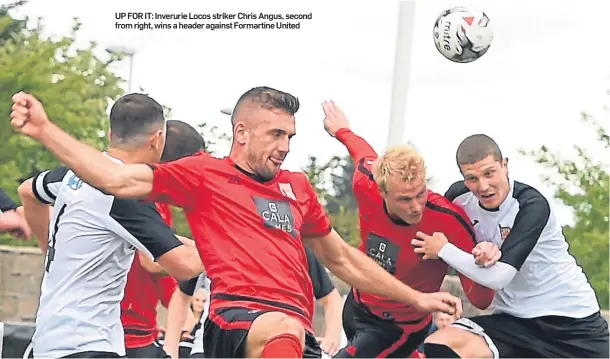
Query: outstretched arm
{"points": [[337, 125], [29, 117]]}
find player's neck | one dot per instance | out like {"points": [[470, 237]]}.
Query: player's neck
{"points": [[128, 156], [241, 162]]}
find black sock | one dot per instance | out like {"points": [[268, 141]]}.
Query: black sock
{"points": [[433, 350]]}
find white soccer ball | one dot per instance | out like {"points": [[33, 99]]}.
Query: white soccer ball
{"points": [[462, 35]]}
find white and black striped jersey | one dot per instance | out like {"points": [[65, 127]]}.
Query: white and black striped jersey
{"points": [[92, 241], [536, 275]]}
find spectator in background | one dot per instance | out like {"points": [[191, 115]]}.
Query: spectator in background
{"points": [[11, 221]]}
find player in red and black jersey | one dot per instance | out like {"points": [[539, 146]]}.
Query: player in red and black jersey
{"points": [[249, 219], [394, 204], [147, 282]]}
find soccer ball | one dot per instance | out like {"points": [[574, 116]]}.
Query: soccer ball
{"points": [[462, 35]]}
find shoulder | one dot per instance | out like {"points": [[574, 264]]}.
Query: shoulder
{"points": [[526, 194], [457, 190], [443, 206], [364, 167]]}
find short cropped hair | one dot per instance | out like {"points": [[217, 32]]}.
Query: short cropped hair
{"points": [[475, 148], [403, 161], [269, 98], [182, 140], [133, 116]]}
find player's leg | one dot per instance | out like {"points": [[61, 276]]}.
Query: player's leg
{"points": [[455, 342], [371, 343], [488, 336], [275, 335], [93, 354], [373, 337], [575, 337], [244, 333], [148, 351]]}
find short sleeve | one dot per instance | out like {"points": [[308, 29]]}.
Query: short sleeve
{"points": [[140, 224], [316, 222], [322, 285], [189, 287], [176, 183], [45, 185], [532, 218]]}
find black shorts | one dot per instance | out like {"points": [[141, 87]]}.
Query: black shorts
{"points": [[370, 336], [542, 337], [230, 343], [152, 350], [93, 354]]}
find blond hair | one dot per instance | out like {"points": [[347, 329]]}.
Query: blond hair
{"points": [[402, 161]]}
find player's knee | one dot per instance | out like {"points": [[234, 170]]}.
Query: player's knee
{"points": [[453, 342], [292, 326], [443, 336], [271, 325]]}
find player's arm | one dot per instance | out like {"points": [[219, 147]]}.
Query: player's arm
{"points": [[37, 195], [461, 234], [140, 224], [11, 217], [534, 213], [6, 202], [180, 309], [150, 265], [325, 292], [358, 270], [93, 167], [337, 125]]}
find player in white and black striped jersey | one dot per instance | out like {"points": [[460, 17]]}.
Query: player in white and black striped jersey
{"points": [[92, 239], [544, 304]]}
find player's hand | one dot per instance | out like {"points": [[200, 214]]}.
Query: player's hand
{"points": [[329, 346], [15, 224], [486, 254], [428, 245], [28, 115], [439, 302], [186, 241], [334, 118]]}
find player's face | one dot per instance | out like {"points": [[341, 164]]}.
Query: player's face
{"points": [[268, 142], [443, 320], [406, 200], [199, 300], [488, 181]]}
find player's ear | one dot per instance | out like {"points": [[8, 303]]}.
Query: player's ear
{"points": [[157, 140], [109, 135], [240, 134]]}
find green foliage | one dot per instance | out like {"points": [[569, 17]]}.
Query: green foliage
{"points": [[333, 184], [73, 84], [583, 185]]}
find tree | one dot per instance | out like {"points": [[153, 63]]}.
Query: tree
{"points": [[582, 184], [345, 219], [74, 85]]}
